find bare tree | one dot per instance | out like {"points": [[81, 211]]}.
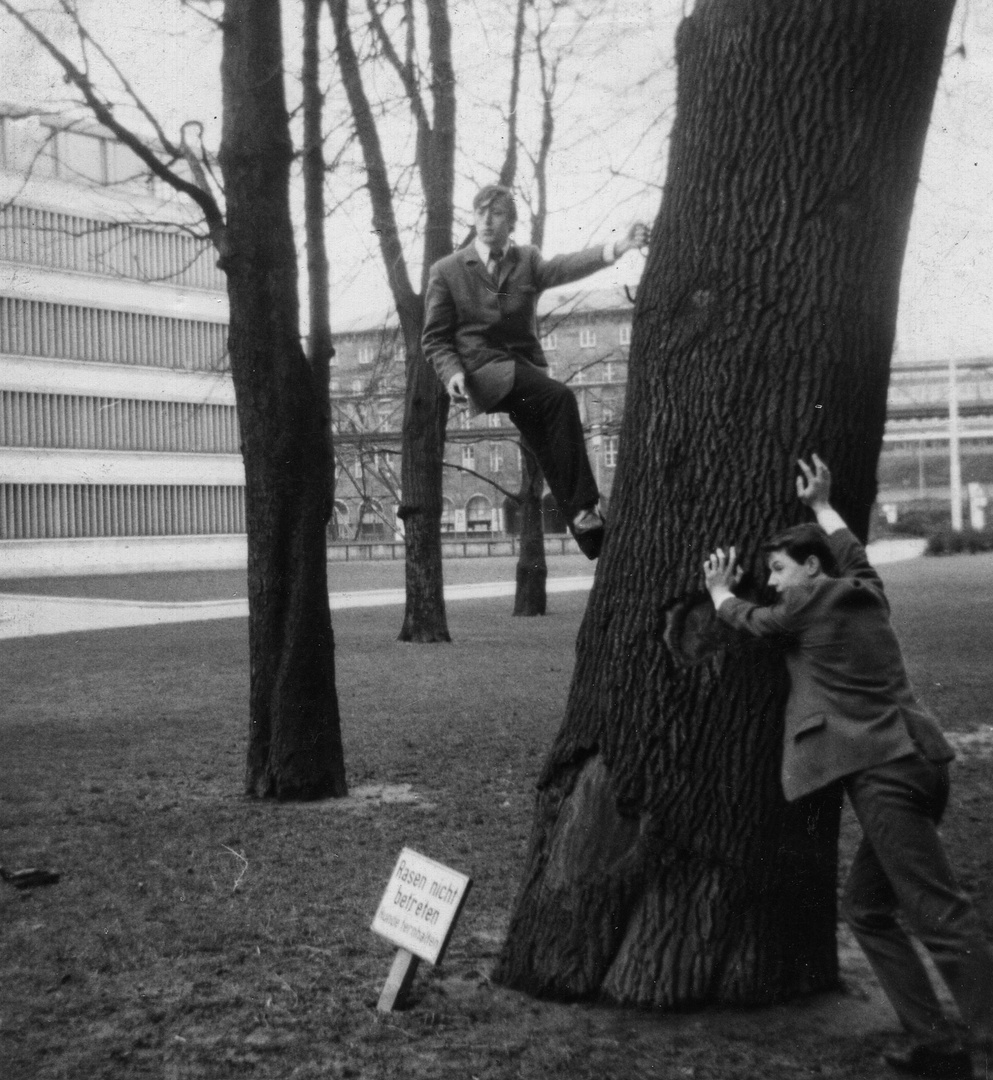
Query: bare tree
{"points": [[535, 25], [321, 349], [426, 409], [294, 739], [664, 866], [386, 38], [530, 594]]}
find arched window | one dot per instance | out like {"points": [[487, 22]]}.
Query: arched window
{"points": [[372, 521], [338, 525], [478, 516], [447, 515]]}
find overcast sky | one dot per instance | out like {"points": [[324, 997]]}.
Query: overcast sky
{"points": [[945, 307]]}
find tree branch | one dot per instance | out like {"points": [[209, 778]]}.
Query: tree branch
{"points": [[486, 479], [377, 177], [103, 111], [404, 69], [318, 271], [508, 172], [84, 37], [218, 24]]}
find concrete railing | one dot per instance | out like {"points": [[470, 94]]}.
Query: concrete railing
{"points": [[150, 554], [464, 548]]}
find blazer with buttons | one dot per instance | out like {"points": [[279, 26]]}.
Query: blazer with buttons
{"points": [[482, 326], [850, 705]]}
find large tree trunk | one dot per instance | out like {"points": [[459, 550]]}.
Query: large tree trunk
{"points": [[664, 867], [294, 736], [531, 597]]}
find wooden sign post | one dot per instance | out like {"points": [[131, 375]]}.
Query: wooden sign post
{"points": [[418, 913]]}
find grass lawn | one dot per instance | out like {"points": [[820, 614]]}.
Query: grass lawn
{"points": [[231, 584], [196, 934]]}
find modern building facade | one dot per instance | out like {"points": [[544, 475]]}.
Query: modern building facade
{"points": [[939, 434], [118, 434]]}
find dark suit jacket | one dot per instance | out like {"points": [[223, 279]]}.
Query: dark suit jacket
{"points": [[851, 705], [483, 327]]}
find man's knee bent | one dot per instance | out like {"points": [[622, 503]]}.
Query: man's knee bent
{"points": [[552, 391], [542, 402]]}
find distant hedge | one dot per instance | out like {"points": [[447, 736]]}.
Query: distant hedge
{"points": [[946, 541]]}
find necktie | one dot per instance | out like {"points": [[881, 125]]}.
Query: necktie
{"points": [[495, 256]]}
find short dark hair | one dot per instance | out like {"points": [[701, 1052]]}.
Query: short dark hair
{"points": [[802, 541], [496, 193]]}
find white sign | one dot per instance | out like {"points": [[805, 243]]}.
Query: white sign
{"points": [[977, 506], [421, 903]]}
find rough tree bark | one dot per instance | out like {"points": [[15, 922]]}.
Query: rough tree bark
{"points": [[294, 739], [664, 867]]}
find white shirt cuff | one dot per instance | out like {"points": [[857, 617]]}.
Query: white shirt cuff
{"points": [[719, 596], [830, 520]]}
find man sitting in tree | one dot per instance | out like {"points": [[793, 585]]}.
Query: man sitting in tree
{"points": [[481, 335], [851, 718]]}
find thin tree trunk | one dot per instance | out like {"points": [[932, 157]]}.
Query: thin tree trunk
{"points": [[426, 409], [665, 868], [531, 596], [426, 403], [421, 464], [321, 348], [294, 734]]}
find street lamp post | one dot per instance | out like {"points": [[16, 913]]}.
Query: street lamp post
{"points": [[954, 455]]}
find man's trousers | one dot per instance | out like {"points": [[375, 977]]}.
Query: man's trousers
{"points": [[545, 412], [901, 864]]}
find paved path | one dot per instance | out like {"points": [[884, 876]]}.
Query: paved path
{"points": [[25, 615]]}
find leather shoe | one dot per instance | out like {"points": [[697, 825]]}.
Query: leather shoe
{"points": [[939, 1064], [587, 528]]}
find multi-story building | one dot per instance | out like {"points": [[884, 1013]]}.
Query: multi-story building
{"points": [[119, 444], [585, 335], [118, 435], [939, 432]]}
